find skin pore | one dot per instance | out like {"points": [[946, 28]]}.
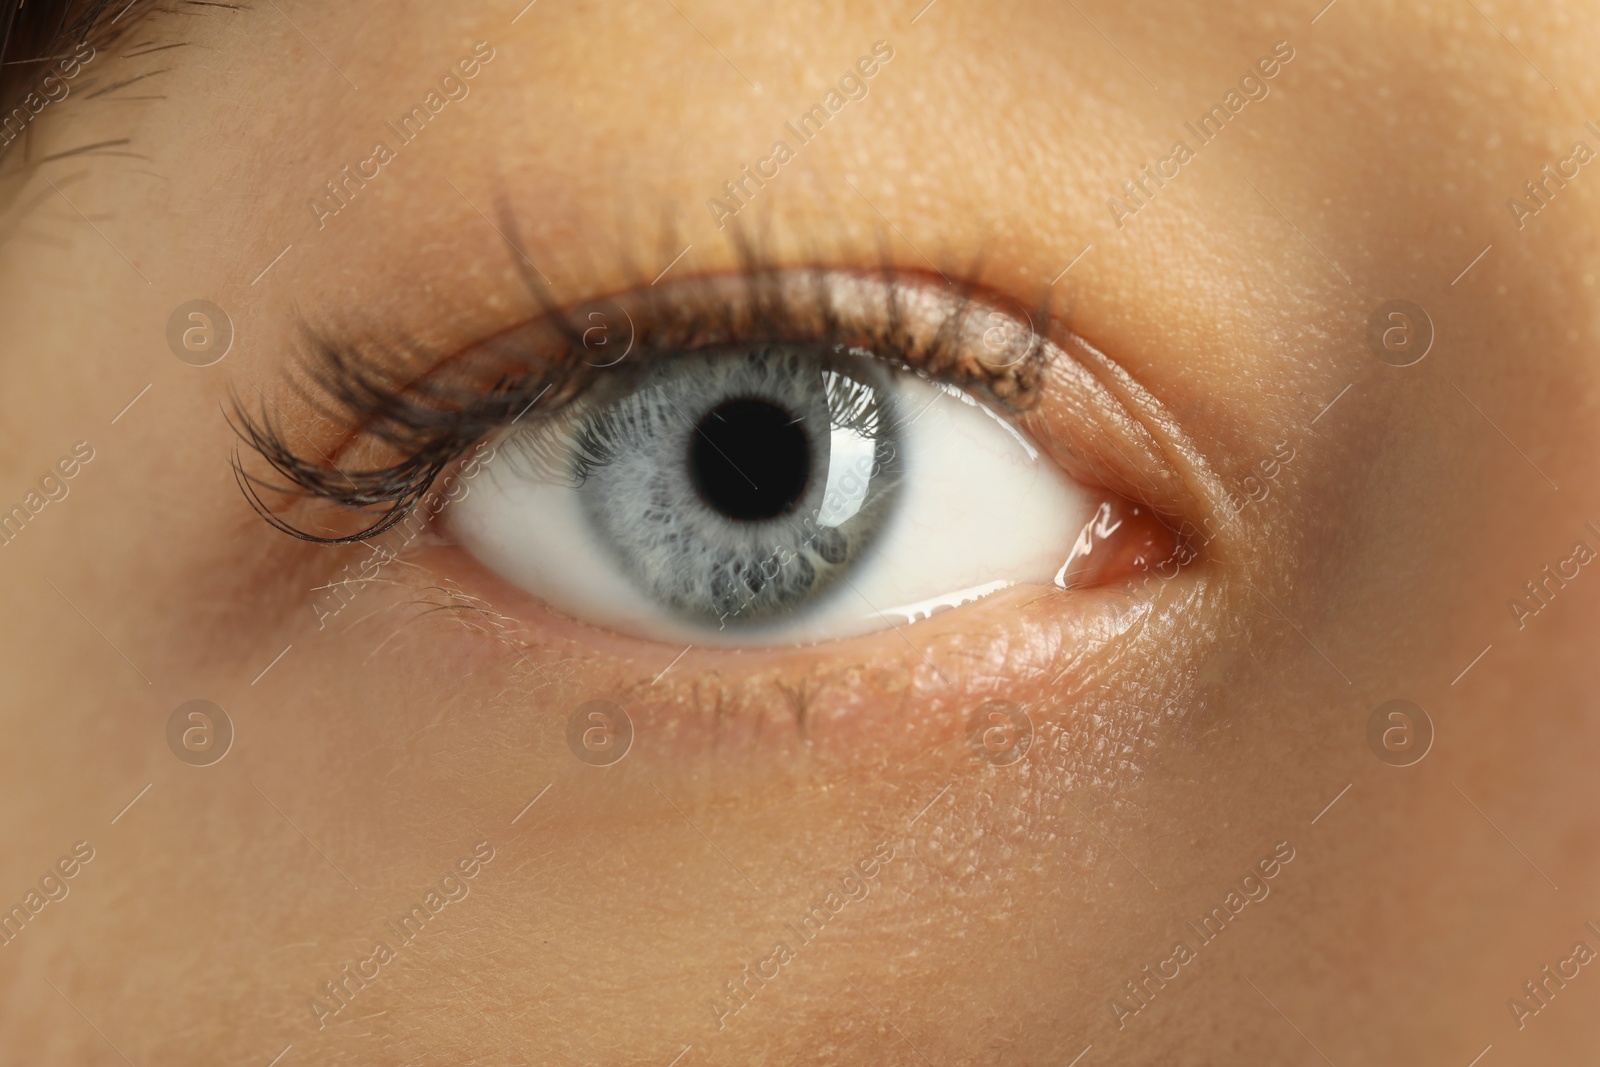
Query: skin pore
{"points": [[1213, 325]]}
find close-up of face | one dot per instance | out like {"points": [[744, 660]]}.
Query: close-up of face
{"points": [[679, 533]]}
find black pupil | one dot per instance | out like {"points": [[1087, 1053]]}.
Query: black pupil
{"points": [[750, 459]]}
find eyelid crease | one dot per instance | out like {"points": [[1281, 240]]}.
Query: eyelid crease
{"points": [[405, 414]]}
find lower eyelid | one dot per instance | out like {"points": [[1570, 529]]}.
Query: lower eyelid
{"points": [[843, 706]]}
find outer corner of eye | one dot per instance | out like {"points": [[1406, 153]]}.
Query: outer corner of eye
{"points": [[783, 495]]}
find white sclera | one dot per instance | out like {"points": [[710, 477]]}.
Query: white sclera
{"points": [[979, 510]]}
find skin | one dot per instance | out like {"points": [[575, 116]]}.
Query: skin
{"points": [[1179, 740]]}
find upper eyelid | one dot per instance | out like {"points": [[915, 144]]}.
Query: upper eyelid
{"points": [[429, 410], [935, 332], [1098, 422]]}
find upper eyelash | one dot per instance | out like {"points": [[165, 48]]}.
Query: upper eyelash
{"points": [[427, 412]]}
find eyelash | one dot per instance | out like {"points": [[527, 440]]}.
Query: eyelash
{"points": [[425, 410]]}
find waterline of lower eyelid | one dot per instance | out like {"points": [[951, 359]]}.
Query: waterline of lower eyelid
{"points": [[924, 609]]}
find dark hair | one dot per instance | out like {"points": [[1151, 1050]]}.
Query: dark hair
{"points": [[34, 32]]}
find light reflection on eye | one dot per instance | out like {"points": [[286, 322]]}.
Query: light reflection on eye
{"points": [[770, 494]]}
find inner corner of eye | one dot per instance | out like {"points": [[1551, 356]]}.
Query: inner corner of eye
{"points": [[1124, 540], [773, 494]]}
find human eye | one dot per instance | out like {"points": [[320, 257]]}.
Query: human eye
{"points": [[777, 458], [766, 492]]}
